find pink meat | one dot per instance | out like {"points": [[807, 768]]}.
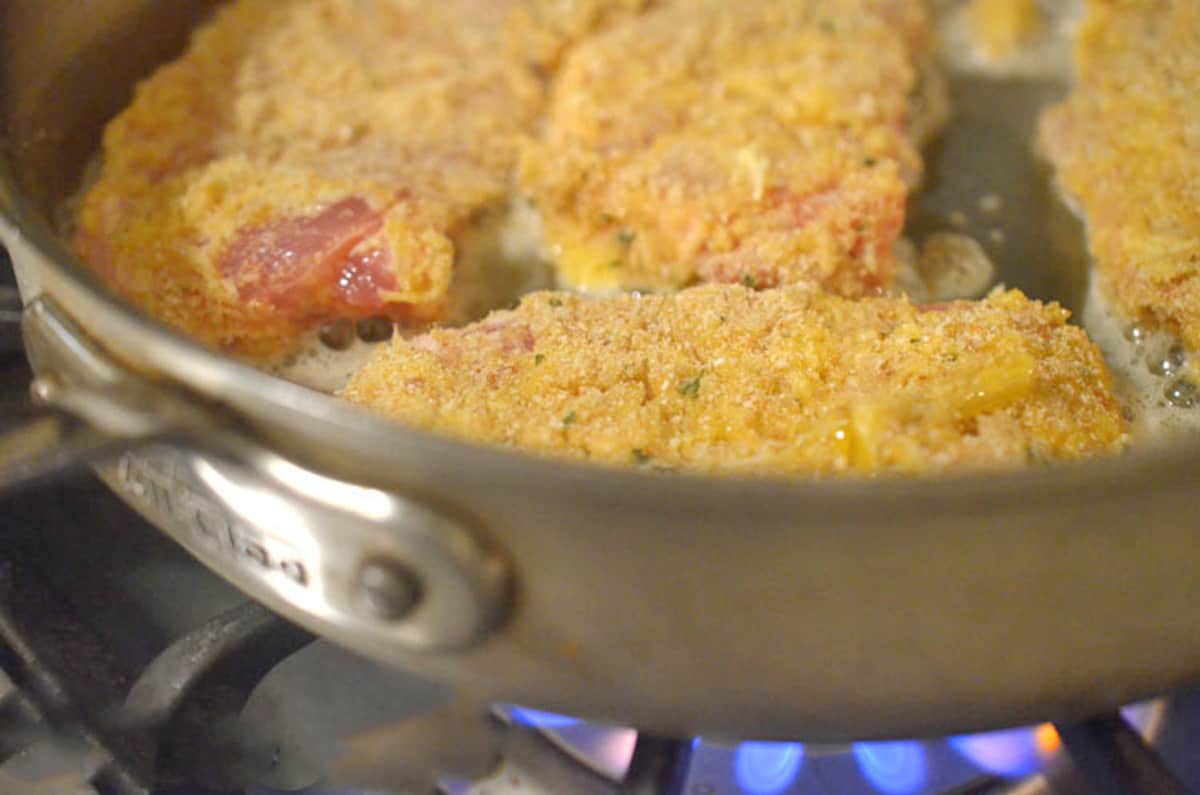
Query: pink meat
{"points": [[304, 263]]}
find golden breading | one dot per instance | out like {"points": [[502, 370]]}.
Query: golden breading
{"points": [[720, 378], [761, 142], [309, 159], [1000, 28], [1127, 147], [541, 31]]}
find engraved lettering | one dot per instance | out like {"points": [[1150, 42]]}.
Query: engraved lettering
{"points": [[172, 501], [208, 520], [294, 570], [128, 478], [255, 552]]}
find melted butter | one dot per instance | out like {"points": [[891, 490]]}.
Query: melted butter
{"points": [[590, 265], [1009, 37]]}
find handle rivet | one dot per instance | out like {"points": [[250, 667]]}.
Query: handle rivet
{"points": [[387, 589]]}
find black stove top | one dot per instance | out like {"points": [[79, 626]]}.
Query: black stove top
{"points": [[126, 667]]}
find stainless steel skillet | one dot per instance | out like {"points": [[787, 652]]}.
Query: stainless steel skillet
{"points": [[822, 611]]}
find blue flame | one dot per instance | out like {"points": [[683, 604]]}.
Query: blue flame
{"points": [[541, 720], [1011, 753], [767, 768], [896, 768], [1140, 715]]}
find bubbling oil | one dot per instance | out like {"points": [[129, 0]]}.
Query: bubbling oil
{"points": [[498, 258], [1150, 370]]}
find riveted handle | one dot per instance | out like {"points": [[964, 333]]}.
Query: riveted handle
{"points": [[383, 569], [87, 410], [46, 444]]}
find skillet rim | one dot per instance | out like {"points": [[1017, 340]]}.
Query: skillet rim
{"points": [[240, 387]]}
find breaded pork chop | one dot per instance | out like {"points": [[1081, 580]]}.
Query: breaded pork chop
{"points": [[720, 378], [1127, 147], [542, 31], [313, 159], [762, 142]]}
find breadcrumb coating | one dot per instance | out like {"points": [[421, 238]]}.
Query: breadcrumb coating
{"points": [[1126, 144], [763, 142], [542, 31], [311, 159], [315, 159], [724, 379]]}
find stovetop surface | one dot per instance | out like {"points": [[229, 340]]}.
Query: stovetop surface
{"points": [[97, 611]]}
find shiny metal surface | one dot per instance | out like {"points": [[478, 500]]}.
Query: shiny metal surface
{"points": [[309, 540], [304, 542], [684, 605]]}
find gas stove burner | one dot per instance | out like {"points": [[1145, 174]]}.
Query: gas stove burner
{"points": [[1010, 761]]}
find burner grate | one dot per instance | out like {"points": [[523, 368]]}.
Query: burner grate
{"points": [[116, 679], [147, 736]]}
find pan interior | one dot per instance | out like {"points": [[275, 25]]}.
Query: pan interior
{"points": [[64, 76]]}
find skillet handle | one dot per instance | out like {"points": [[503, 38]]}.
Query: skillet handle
{"points": [[10, 318], [47, 443], [350, 560], [86, 409]]}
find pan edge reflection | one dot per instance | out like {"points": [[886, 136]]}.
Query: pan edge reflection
{"points": [[894, 768], [765, 768]]}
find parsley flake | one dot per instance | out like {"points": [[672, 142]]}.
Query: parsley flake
{"points": [[690, 388], [538, 358], [555, 302], [570, 419], [626, 237], [750, 281], [641, 456]]}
